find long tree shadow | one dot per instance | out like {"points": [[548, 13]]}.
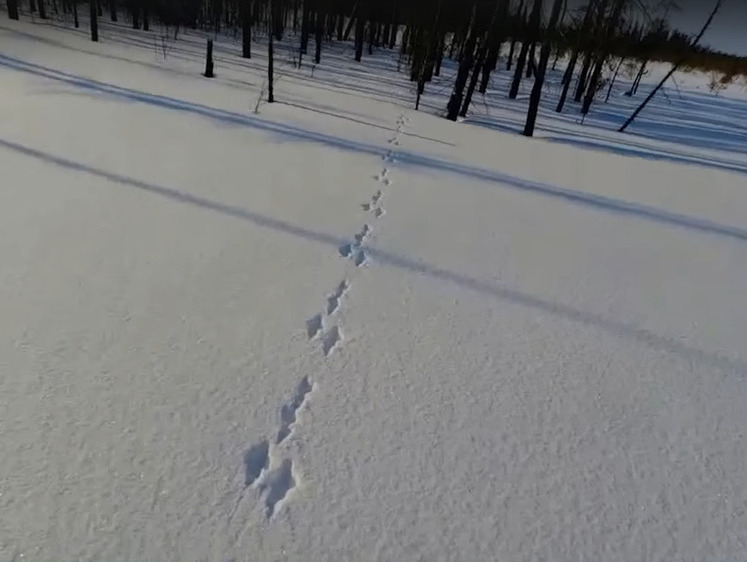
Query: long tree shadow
{"points": [[615, 327], [406, 158]]}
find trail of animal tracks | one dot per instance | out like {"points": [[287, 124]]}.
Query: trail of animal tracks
{"points": [[345, 330]]}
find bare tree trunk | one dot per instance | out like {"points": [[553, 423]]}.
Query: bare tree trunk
{"points": [[42, 10], [12, 9], [614, 78], [473, 81], [209, 60], [113, 10], [539, 76], [270, 67], [305, 27], [674, 68], [146, 25], [94, 21], [360, 29], [320, 24], [510, 61], [76, 22], [246, 29]]}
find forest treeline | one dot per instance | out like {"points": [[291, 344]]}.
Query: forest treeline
{"points": [[523, 37]]}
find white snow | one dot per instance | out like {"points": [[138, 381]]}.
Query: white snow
{"points": [[541, 356]]}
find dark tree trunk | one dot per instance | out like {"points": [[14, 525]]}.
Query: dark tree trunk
{"points": [[76, 22], [393, 36], [246, 29], [99, 9], [359, 38], [305, 27], [511, 50], [270, 70], [319, 37], [146, 26], [465, 66], [340, 25], [135, 16], [32, 6], [94, 21], [439, 56], [519, 71], [540, 71], [638, 78], [209, 60], [113, 10], [530, 60], [371, 37], [12, 9], [614, 78], [42, 10], [567, 81], [473, 82], [581, 84]]}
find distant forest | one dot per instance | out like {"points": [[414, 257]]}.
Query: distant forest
{"points": [[527, 37]]}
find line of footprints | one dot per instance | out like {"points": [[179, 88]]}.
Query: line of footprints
{"points": [[272, 477]]}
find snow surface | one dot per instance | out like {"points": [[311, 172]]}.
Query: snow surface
{"points": [[345, 330]]}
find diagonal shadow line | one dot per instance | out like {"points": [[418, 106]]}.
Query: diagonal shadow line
{"points": [[646, 154], [599, 202], [563, 311]]}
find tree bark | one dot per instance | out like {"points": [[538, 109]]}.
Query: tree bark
{"points": [[76, 21], [42, 10], [113, 10]]}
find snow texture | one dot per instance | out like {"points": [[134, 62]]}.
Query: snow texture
{"points": [[543, 357]]}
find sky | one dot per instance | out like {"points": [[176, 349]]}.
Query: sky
{"points": [[728, 32]]}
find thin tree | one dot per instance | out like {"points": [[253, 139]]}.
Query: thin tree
{"points": [[42, 10], [539, 74], [94, 20], [674, 68], [246, 29], [270, 60]]}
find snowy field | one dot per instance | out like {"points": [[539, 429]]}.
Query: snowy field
{"points": [[341, 329]]}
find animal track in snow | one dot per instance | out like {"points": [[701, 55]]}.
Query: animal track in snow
{"points": [[331, 340], [333, 300], [376, 197], [314, 326], [256, 461], [278, 483], [360, 258], [288, 411], [379, 212], [347, 250], [362, 235]]}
